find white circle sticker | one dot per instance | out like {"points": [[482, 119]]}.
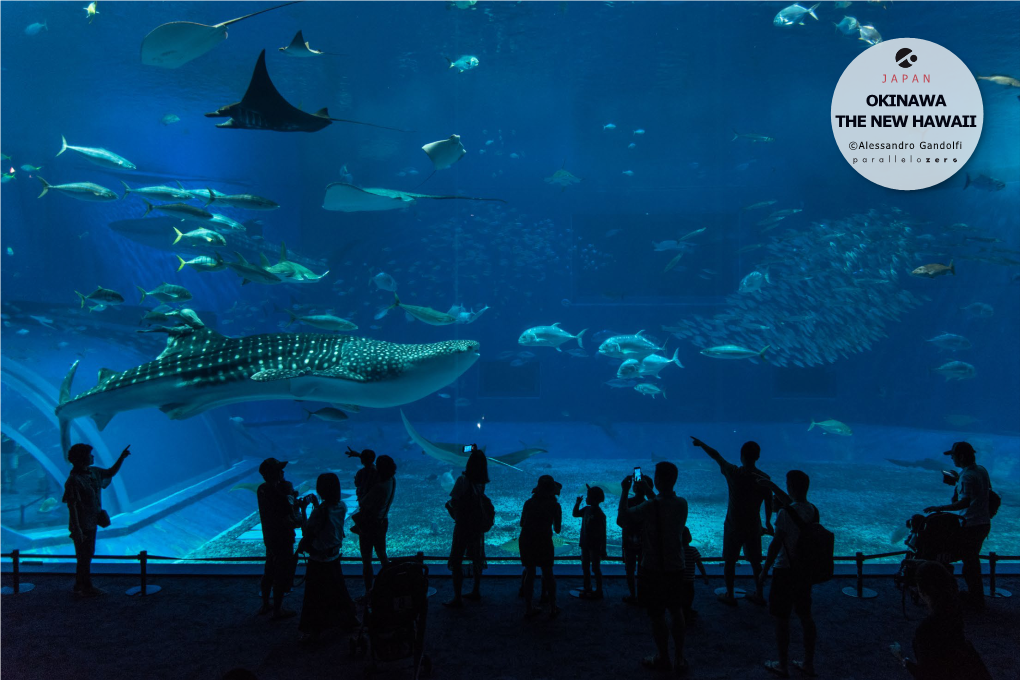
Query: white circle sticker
{"points": [[907, 114]]}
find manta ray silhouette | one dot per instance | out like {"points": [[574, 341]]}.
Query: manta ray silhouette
{"points": [[264, 108]]}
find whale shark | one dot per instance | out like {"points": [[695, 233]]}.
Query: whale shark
{"points": [[201, 369]]}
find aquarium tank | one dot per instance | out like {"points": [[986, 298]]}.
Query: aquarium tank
{"points": [[575, 234]]}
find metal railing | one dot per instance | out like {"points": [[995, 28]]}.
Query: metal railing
{"points": [[143, 557]]}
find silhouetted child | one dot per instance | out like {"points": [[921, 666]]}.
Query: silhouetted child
{"points": [[593, 540], [692, 558], [366, 476]]}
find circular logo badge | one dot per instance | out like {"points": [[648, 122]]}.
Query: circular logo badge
{"points": [[907, 114]]}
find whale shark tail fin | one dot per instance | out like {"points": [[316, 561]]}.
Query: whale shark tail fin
{"points": [[65, 396]]}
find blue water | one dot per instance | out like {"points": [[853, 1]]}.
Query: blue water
{"points": [[550, 77]]}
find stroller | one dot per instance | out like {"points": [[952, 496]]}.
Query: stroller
{"points": [[933, 537], [393, 626]]}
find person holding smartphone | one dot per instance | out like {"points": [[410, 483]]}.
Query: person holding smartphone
{"points": [[83, 494]]}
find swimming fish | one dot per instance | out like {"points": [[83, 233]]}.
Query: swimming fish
{"points": [[733, 352], [1008, 81], [465, 63], [764, 139], [832, 427], [91, 11], [83, 191], [102, 157], [199, 238], [384, 281], [650, 390], [203, 263], [326, 322], [950, 341], [956, 370], [870, 35], [166, 292], [548, 336], [328, 413], [933, 270], [848, 25], [428, 315], [299, 47], [35, 29], [984, 182], [794, 14], [103, 296]]}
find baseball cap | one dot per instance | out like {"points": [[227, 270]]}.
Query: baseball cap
{"points": [[960, 447], [270, 465]]}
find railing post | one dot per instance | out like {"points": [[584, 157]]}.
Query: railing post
{"points": [[859, 591], [994, 592], [18, 587], [144, 589]]}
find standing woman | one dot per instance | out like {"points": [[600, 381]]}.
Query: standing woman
{"points": [[541, 516], [372, 518], [327, 602], [465, 506]]}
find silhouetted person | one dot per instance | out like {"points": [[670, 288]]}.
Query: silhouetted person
{"points": [[742, 527], [661, 521], [540, 517], [970, 496], [83, 493], [327, 602], [692, 561], [592, 541], [941, 650], [372, 518], [280, 516], [791, 590], [366, 476], [465, 506], [631, 539]]}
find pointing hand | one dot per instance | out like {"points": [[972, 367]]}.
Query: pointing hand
{"points": [[126, 452]]}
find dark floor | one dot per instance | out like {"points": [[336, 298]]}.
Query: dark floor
{"points": [[199, 627]]}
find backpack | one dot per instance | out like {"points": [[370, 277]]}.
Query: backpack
{"points": [[994, 501], [488, 516], [815, 548]]}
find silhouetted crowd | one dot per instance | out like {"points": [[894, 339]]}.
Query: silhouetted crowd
{"points": [[659, 558]]}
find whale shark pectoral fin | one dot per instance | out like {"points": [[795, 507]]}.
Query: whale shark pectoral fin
{"points": [[102, 419]]}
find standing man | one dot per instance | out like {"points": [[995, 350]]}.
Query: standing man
{"points": [[661, 521], [280, 516], [742, 528], [791, 589], [970, 496], [83, 493]]}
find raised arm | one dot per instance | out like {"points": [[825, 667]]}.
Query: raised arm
{"points": [[712, 453], [120, 460], [577, 507], [622, 518]]}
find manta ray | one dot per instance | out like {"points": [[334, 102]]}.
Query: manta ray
{"points": [[201, 370], [178, 42], [454, 453], [264, 108], [349, 198], [563, 177]]}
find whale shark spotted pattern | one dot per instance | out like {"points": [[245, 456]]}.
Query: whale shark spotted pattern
{"points": [[201, 369]]}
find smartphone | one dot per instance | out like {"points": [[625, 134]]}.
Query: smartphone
{"points": [[468, 448], [637, 474]]}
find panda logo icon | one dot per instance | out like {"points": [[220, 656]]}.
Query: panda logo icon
{"points": [[905, 57]]}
